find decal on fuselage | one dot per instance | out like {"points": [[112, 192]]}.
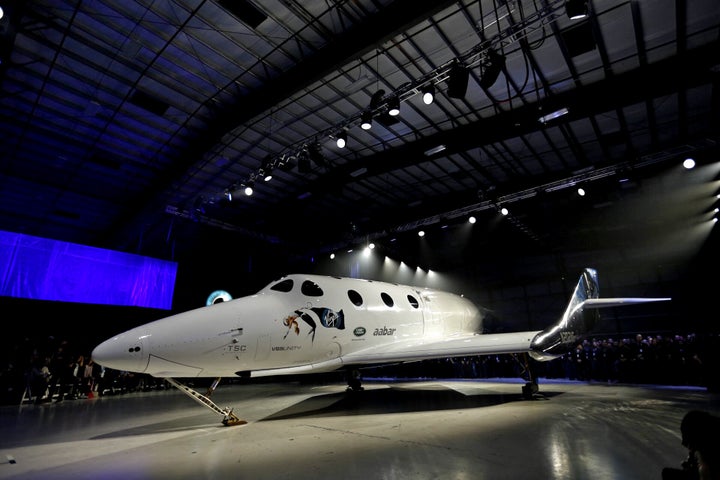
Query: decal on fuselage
{"points": [[568, 337], [235, 348], [384, 331], [312, 316], [285, 348]]}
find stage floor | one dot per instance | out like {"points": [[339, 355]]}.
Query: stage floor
{"points": [[441, 429]]}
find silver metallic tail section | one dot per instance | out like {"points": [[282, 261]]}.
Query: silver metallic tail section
{"points": [[579, 318]]}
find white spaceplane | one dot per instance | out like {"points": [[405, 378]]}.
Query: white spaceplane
{"points": [[311, 323]]}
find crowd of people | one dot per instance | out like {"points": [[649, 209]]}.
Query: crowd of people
{"points": [[666, 359], [50, 370], [55, 370]]}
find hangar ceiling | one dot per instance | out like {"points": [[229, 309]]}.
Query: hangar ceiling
{"points": [[131, 124]]}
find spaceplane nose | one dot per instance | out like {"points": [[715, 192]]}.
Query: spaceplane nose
{"points": [[123, 352]]}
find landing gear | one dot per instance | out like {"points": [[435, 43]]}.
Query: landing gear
{"points": [[529, 389], [531, 386], [229, 418], [354, 379]]}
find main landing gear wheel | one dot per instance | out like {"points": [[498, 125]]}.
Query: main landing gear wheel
{"points": [[529, 389], [531, 386], [354, 380]]}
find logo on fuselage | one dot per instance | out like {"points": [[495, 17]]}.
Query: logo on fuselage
{"points": [[359, 331], [568, 337], [384, 331]]}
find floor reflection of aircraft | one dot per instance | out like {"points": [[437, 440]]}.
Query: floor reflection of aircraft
{"points": [[311, 324]]}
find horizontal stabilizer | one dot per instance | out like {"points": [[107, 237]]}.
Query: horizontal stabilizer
{"points": [[618, 302]]}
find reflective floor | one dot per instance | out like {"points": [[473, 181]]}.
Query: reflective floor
{"points": [[479, 429]]}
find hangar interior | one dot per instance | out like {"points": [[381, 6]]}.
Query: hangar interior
{"points": [[136, 126], [249, 139]]}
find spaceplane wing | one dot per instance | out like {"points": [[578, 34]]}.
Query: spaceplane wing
{"points": [[303, 324]]}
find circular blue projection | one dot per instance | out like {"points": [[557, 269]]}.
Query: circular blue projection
{"points": [[218, 296]]}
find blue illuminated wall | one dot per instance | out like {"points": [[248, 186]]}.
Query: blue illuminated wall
{"points": [[41, 269]]}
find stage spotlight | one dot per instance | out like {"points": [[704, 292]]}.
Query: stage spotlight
{"points": [[576, 9], [366, 123], [428, 94], [394, 106], [265, 171], [341, 140], [458, 80]]}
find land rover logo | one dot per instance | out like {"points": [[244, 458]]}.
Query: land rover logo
{"points": [[359, 331]]}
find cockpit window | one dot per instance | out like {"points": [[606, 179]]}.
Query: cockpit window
{"points": [[311, 289], [413, 301], [284, 286], [387, 299], [355, 298]]}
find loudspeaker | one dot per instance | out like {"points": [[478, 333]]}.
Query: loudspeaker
{"points": [[579, 39], [458, 81]]}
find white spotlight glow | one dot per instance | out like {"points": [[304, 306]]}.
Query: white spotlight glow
{"points": [[472, 220], [581, 191], [504, 211], [689, 163], [248, 191], [421, 233], [332, 256]]}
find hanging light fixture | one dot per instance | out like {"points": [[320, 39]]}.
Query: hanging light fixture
{"points": [[576, 9], [428, 94], [341, 140], [266, 168], [366, 123], [394, 106]]}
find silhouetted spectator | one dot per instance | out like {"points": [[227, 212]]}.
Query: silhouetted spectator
{"points": [[700, 433], [39, 376]]}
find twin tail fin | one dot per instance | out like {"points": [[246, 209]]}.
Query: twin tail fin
{"points": [[580, 317]]}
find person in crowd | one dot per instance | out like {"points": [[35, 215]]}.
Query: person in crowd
{"points": [[38, 379]]}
